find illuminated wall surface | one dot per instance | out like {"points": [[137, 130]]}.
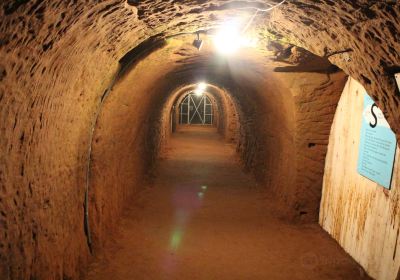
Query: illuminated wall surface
{"points": [[360, 214], [76, 141]]}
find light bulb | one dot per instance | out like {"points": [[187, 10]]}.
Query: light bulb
{"points": [[227, 39], [198, 92], [202, 86]]}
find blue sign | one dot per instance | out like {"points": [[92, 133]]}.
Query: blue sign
{"points": [[377, 145]]}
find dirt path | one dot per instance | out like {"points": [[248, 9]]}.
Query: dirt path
{"points": [[205, 219]]}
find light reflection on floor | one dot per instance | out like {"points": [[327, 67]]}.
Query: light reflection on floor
{"points": [[203, 218], [186, 201]]}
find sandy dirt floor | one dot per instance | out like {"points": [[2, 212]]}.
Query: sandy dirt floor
{"points": [[203, 218]]}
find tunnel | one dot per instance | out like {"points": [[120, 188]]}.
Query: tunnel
{"points": [[221, 139]]}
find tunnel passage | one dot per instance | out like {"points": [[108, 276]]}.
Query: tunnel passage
{"points": [[224, 110], [258, 111], [53, 80], [203, 218]]}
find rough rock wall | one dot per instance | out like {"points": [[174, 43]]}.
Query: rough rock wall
{"points": [[361, 37], [50, 84], [266, 140], [58, 57], [315, 99], [122, 145], [361, 215], [315, 86], [229, 127]]}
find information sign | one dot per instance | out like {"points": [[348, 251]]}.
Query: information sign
{"points": [[377, 145]]}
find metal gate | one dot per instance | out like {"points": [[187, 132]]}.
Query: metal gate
{"points": [[196, 109]]}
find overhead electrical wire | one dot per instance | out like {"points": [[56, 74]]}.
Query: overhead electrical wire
{"points": [[260, 10], [267, 9]]}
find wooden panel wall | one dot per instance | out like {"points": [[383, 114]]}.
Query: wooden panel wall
{"points": [[361, 215]]}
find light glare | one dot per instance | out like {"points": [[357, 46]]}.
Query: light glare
{"points": [[229, 39], [200, 89], [202, 86], [198, 92]]}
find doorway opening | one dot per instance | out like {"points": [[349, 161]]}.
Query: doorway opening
{"points": [[196, 109]]}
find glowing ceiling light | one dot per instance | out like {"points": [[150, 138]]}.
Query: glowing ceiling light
{"points": [[198, 92], [200, 89], [202, 86], [228, 39]]}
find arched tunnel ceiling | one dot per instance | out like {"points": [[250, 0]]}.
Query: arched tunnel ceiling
{"points": [[259, 86], [58, 58], [37, 37]]}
